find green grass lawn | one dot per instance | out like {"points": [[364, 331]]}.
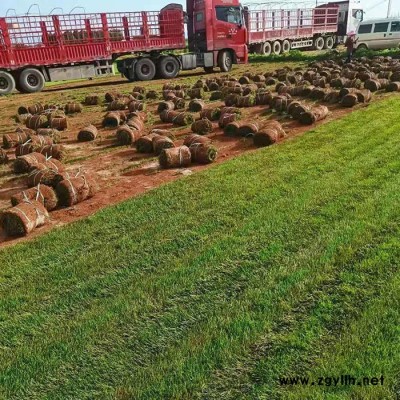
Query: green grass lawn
{"points": [[282, 262]]}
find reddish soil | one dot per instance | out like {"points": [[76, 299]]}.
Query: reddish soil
{"points": [[122, 172]]}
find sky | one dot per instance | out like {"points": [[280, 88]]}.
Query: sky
{"points": [[374, 8]]}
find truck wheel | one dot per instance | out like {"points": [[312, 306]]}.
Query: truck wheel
{"points": [[319, 43], [7, 83], [225, 61], [285, 46], [145, 69], [31, 81], [329, 43], [168, 67], [277, 47], [266, 49]]}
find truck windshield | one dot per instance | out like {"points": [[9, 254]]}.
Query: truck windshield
{"points": [[229, 14]]}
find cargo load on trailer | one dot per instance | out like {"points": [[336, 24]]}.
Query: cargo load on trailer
{"points": [[148, 44], [275, 31]]}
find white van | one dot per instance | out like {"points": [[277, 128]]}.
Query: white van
{"points": [[379, 34]]}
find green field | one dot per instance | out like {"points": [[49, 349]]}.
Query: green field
{"points": [[282, 262]]}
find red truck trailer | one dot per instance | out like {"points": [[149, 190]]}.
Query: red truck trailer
{"points": [[273, 31], [36, 49]]}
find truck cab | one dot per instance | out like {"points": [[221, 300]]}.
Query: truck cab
{"points": [[217, 33]]}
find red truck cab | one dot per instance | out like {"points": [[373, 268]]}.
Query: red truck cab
{"points": [[217, 27]]}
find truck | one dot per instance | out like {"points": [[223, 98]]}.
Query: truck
{"points": [[145, 45], [276, 31]]}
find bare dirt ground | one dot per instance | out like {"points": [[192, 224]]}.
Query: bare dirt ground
{"points": [[122, 172]]}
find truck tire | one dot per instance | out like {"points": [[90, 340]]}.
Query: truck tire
{"points": [[225, 61], [168, 67], [30, 80], [7, 83], [329, 43], [266, 49], [286, 46], [277, 47], [319, 43], [145, 69]]}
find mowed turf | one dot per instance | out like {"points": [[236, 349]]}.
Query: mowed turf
{"points": [[280, 263]]}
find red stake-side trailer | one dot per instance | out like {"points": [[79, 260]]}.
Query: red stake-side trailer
{"points": [[276, 31], [35, 49]]}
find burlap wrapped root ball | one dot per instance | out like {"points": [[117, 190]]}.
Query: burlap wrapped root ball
{"points": [[177, 118], [41, 193], [196, 139], [24, 218], [160, 143], [202, 126], [75, 190], [59, 123], [203, 153], [28, 162], [175, 157], [269, 134], [88, 134]]}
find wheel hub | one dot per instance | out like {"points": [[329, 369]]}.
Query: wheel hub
{"points": [[32, 80], [3, 83]]}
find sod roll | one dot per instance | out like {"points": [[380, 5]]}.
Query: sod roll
{"points": [[317, 113], [145, 143], [202, 126], [13, 139], [72, 108], [55, 134], [75, 190], [28, 162], [88, 134], [23, 218], [126, 135], [175, 157], [41, 193], [196, 139], [212, 114], [56, 151], [59, 123], [203, 153], [160, 143]]}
